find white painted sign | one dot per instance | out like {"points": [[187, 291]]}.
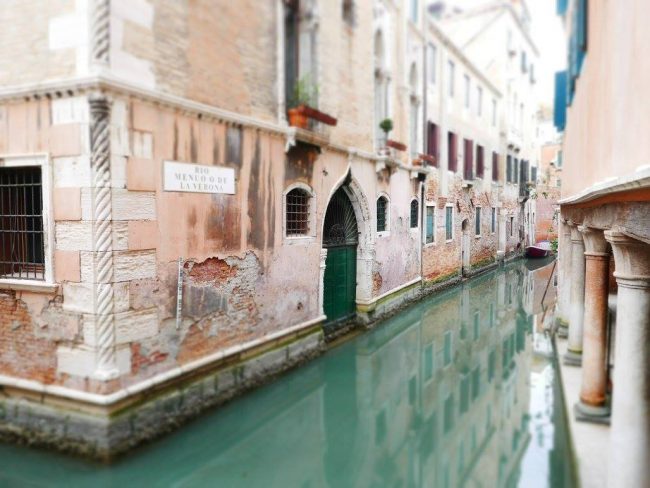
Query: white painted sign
{"points": [[198, 178]]}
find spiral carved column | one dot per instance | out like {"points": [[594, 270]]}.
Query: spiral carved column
{"points": [[102, 236], [100, 33]]}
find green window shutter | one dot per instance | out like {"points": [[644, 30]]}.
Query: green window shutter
{"points": [[430, 224]]}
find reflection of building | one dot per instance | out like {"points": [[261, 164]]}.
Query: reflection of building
{"points": [[602, 105]]}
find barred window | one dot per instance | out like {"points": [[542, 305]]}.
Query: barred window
{"points": [[382, 214], [22, 253], [414, 214], [297, 223]]}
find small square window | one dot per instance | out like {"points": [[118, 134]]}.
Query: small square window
{"points": [[22, 238], [297, 213]]}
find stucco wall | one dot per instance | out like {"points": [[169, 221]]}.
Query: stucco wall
{"points": [[607, 122]]}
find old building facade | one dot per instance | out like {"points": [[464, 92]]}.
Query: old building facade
{"points": [[605, 223], [170, 231]]}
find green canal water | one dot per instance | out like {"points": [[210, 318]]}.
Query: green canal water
{"points": [[457, 390]]}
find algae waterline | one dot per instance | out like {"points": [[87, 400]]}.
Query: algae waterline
{"points": [[455, 389]]}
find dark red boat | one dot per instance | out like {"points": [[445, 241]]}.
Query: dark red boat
{"points": [[540, 249]]}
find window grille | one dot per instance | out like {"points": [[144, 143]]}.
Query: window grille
{"points": [[22, 253], [382, 207], [297, 213], [414, 214]]}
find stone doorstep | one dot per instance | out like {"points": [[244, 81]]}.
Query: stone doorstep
{"points": [[104, 432]]}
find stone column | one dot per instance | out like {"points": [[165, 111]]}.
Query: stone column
{"points": [[564, 278], [592, 404], [102, 236], [573, 356], [630, 427], [100, 35]]}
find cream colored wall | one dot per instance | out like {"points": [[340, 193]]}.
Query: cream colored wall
{"points": [[608, 124]]}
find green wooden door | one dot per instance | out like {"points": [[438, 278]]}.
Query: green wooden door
{"points": [[340, 282], [340, 237]]}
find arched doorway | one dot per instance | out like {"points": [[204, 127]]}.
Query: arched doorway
{"points": [[340, 238], [465, 247]]}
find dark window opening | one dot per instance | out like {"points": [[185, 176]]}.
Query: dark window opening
{"points": [[468, 158], [22, 248], [297, 212], [433, 142], [414, 214], [382, 214], [495, 167], [480, 162], [452, 150], [348, 12]]}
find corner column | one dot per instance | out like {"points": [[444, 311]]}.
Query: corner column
{"points": [[593, 392], [573, 356], [564, 271], [630, 426]]}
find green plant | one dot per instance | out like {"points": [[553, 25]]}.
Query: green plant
{"points": [[304, 92], [554, 245], [386, 125]]}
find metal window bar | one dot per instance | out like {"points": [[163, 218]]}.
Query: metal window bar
{"points": [[22, 254], [297, 213], [381, 214], [414, 214]]}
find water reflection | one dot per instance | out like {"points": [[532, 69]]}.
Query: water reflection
{"points": [[456, 391]]}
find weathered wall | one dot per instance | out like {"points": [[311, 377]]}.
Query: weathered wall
{"points": [[608, 117]]}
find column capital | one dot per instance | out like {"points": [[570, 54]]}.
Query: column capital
{"points": [[595, 242], [632, 259], [576, 235]]}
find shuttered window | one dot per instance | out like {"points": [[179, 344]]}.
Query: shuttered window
{"points": [[452, 152], [433, 141], [430, 228], [477, 229], [468, 159], [449, 223], [495, 167], [480, 162], [493, 224]]}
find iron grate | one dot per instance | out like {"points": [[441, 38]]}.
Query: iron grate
{"points": [[297, 223], [22, 253]]}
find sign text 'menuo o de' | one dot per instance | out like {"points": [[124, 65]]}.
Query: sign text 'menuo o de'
{"points": [[198, 178]]}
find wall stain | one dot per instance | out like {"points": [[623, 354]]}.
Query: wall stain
{"points": [[256, 201], [175, 157], [300, 163], [193, 146]]}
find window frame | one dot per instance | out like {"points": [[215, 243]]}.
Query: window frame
{"points": [[432, 71], [451, 67], [478, 224], [493, 220], [468, 92], [427, 206], [311, 234], [386, 230], [42, 160], [417, 219], [449, 205]]}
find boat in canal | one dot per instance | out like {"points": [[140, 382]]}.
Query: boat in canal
{"points": [[449, 392], [540, 249]]}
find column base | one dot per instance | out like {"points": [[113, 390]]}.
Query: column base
{"points": [[589, 413], [572, 358]]}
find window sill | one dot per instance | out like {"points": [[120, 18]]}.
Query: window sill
{"points": [[298, 240], [449, 241], [383, 233], [429, 244], [28, 285]]}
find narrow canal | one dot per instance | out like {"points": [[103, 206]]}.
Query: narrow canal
{"points": [[458, 390]]}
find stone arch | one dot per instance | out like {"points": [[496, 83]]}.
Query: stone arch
{"points": [[366, 244]]}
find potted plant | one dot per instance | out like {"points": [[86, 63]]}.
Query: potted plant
{"points": [[386, 125], [304, 95]]}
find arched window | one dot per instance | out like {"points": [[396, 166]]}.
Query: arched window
{"points": [[297, 212], [414, 110], [414, 214], [381, 86], [382, 214]]}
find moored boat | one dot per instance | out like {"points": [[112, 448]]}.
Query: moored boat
{"points": [[540, 249]]}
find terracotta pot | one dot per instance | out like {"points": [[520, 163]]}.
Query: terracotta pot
{"points": [[297, 118]]}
